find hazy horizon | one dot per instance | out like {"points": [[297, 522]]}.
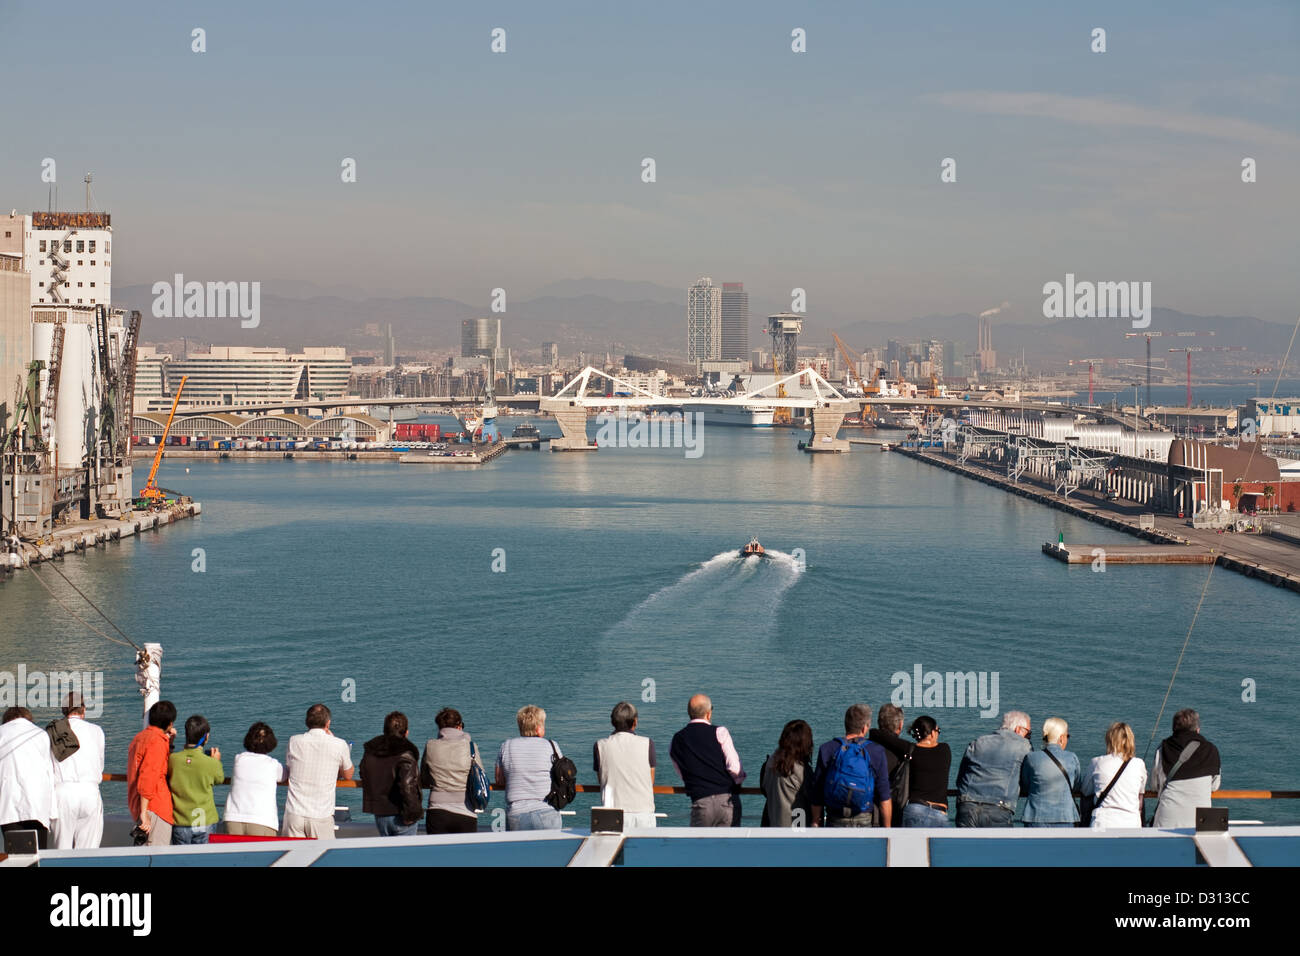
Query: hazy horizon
{"points": [[821, 170]]}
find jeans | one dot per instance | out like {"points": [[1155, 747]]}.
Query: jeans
{"points": [[983, 815], [544, 819], [182, 836], [924, 815], [393, 826]]}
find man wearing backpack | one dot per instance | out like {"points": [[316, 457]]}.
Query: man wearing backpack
{"points": [[852, 777]]}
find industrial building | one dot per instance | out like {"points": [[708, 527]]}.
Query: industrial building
{"points": [[67, 373], [68, 257], [1273, 417], [15, 320], [221, 425]]}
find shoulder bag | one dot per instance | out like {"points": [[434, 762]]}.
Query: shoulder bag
{"points": [[477, 790], [1087, 804]]}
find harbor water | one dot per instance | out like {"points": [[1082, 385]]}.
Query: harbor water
{"points": [[574, 581]]}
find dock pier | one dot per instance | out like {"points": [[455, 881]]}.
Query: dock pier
{"points": [[1270, 559], [96, 532]]}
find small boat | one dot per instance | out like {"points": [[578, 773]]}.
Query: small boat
{"points": [[526, 430], [753, 549]]}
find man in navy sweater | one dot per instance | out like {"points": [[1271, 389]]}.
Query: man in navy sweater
{"points": [[707, 762]]}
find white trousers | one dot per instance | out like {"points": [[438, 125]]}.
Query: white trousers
{"points": [[81, 816]]}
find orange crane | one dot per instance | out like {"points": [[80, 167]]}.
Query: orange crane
{"points": [[851, 359], [781, 414], [152, 494]]}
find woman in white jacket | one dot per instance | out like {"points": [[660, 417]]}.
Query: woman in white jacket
{"points": [[1116, 781]]}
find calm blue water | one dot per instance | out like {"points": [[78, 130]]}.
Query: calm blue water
{"points": [[618, 584], [1217, 396]]}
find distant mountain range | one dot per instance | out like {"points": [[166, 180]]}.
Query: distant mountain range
{"points": [[599, 315]]}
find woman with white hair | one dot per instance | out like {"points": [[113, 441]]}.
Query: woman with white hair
{"points": [[1115, 782], [1050, 778]]}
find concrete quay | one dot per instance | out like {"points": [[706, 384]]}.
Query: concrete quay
{"points": [[1127, 554], [1268, 558], [478, 456], [96, 532]]}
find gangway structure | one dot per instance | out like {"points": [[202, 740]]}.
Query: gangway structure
{"points": [[1076, 468]]}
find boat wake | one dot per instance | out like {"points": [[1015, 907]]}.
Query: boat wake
{"points": [[725, 591], [718, 615]]}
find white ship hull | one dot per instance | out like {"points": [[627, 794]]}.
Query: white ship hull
{"points": [[742, 416]]}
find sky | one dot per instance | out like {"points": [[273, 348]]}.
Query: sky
{"points": [[818, 170]]}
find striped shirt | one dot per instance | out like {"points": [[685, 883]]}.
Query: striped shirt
{"points": [[525, 762]]}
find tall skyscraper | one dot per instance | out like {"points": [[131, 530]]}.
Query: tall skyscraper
{"points": [[390, 347], [550, 354], [735, 321], [703, 321]]}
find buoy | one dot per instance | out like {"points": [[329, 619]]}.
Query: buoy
{"points": [[187, 471]]}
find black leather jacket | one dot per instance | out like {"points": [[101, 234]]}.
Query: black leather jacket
{"points": [[390, 783]]}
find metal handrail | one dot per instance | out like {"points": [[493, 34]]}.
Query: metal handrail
{"points": [[755, 791]]}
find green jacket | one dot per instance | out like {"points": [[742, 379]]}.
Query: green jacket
{"points": [[191, 775]]}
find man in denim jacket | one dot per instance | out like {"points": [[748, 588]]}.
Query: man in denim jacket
{"points": [[988, 782]]}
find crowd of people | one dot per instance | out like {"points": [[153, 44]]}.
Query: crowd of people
{"points": [[867, 777]]}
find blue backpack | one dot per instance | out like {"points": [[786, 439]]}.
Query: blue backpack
{"points": [[850, 782]]}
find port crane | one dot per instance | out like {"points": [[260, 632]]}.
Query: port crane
{"points": [[1092, 363], [1203, 348], [1149, 336], [152, 495]]}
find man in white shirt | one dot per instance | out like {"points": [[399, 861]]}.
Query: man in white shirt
{"points": [[26, 777], [76, 783], [317, 760]]}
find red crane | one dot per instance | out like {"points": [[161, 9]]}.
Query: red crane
{"points": [[1203, 348], [1091, 363], [1149, 336]]}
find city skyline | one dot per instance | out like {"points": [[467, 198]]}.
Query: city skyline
{"points": [[828, 177]]}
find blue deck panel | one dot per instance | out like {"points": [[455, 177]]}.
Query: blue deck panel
{"points": [[504, 853], [1270, 850], [766, 851], [1064, 851], [197, 858]]}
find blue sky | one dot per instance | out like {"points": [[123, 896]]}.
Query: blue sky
{"points": [[818, 170]]}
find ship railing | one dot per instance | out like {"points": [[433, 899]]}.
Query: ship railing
{"points": [[755, 791]]}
